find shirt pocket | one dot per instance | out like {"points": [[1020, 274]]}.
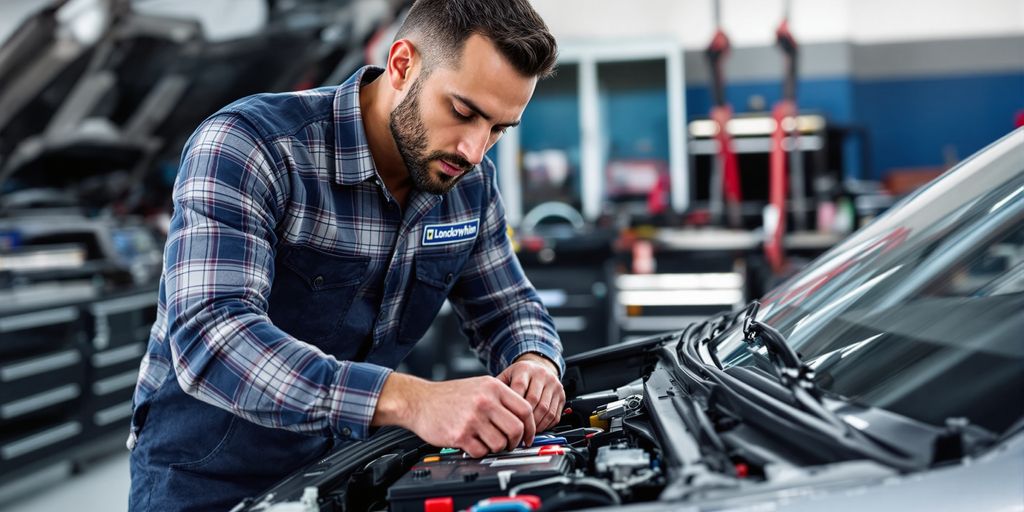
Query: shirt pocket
{"points": [[435, 277], [313, 291]]}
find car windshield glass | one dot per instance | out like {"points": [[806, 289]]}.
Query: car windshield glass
{"points": [[921, 312]]}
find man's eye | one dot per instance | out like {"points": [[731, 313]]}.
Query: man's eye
{"points": [[459, 115]]}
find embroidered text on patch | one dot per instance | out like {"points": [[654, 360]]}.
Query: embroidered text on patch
{"points": [[440, 234]]}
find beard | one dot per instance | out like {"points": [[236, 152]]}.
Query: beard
{"points": [[410, 136]]}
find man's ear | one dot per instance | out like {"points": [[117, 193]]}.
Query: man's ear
{"points": [[402, 59]]}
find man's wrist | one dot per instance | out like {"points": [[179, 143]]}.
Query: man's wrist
{"points": [[394, 401], [541, 358]]}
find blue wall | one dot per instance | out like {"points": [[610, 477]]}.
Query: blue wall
{"points": [[830, 96], [909, 122]]}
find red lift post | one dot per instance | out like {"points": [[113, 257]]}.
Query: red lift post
{"points": [[785, 115], [725, 178]]}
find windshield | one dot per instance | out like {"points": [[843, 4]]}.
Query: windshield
{"points": [[921, 312]]}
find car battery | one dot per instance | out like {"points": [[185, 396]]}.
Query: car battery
{"points": [[465, 481]]}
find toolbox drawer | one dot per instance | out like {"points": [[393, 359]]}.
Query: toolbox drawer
{"points": [[123, 320], [43, 330], [40, 385], [43, 440]]}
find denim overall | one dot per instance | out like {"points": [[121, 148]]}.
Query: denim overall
{"points": [[190, 455]]}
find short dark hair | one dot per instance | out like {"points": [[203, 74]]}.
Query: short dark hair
{"points": [[513, 26]]}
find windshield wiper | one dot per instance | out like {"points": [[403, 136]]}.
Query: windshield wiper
{"points": [[791, 371], [806, 406]]}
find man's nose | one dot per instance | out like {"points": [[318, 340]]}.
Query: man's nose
{"points": [[473, 145]]}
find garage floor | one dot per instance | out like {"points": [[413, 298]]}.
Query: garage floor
{"points": [[101, 487]]}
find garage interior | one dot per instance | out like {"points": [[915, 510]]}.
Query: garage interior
{"points": [[631, 210]]}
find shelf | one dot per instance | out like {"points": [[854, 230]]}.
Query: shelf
{"points": [[755, 145]]}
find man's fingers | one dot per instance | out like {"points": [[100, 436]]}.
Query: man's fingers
{"points": [[536, 392], [518, 406], [506, 376], [492, 438], [475, 448], [557, 404], [554, 410], [561, 402], [529, 430], [520, 383], [510, 426], [541, 412]]}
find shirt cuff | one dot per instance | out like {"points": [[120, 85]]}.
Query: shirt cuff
{"points": [[513, 352], [354, 397]]}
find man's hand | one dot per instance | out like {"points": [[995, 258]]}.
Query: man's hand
{"points": [[479, 415], [535, 378]]}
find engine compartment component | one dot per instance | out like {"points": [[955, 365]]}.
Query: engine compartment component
{"points": [[621, 462], [574, 465], [453, 477]]}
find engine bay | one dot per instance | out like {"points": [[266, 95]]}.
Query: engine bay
{"points": [[601, 454], [634, 431]]}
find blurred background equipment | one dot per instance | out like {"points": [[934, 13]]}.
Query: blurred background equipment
{"points": [[96, 102], [636, 186]]}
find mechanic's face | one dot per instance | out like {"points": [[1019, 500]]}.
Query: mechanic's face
{"points": [[451, 117]]}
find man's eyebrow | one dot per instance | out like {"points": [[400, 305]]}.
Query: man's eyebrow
{"points": [[472, 106]]}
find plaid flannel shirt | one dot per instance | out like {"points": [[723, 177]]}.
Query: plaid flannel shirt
{"points": [[280, 224]]}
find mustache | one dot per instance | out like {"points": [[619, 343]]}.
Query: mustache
{"points": [[451, 158]]}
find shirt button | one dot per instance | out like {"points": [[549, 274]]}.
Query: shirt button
{"points": [[346, 432], [448, 278], [318, 281]]}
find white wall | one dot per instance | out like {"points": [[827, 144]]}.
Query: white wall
{"points": [[748, 22], [902, 20], [753, 22]]}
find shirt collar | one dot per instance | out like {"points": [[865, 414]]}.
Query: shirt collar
{"points": [[351, 149]]}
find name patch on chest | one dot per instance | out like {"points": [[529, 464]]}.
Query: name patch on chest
{"points": [[441, 234]]}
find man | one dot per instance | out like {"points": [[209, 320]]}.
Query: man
{"points": [[315, 236]]}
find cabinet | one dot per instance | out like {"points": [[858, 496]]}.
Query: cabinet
{"points": [[608, 103], [69, 360]]}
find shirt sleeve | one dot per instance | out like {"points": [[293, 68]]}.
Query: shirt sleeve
{"points": [[219, 267], [500, 310]]}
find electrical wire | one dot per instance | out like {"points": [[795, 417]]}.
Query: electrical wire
{"points": [[644, 476], [584, 481]]}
